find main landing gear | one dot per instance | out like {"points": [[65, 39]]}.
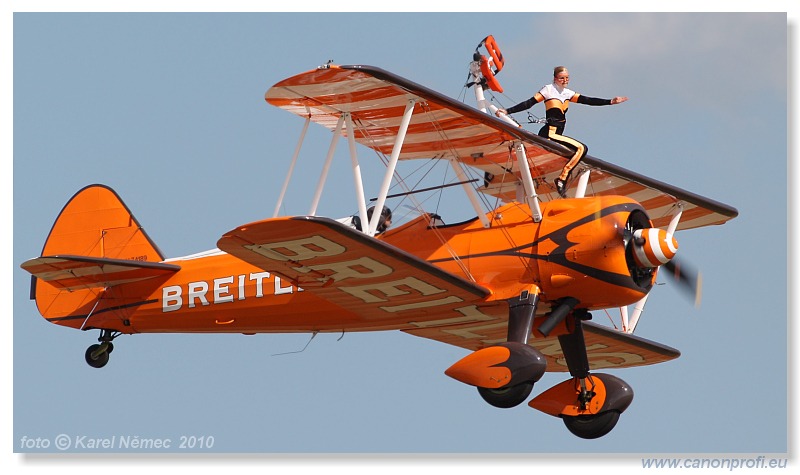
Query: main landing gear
{"points": [[592, 427], [97, 355], [589, 403], [505, 373], [507, 396]]}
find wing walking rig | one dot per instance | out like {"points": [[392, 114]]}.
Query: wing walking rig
{"points": [[516, 285]]}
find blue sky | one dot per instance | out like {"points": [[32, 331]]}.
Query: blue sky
{"points": [[168, 110]]}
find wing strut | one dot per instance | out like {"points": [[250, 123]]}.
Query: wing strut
{"points": [[359, 184], [527, 182], [673, 224], [638, 309], [291, 167], [583, 182], [323, 177], [387, 178]]}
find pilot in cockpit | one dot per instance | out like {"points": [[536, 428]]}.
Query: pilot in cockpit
{"points": [[384, 221]]}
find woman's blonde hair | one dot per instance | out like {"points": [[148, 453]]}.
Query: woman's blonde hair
{"points": [[558, 69]]}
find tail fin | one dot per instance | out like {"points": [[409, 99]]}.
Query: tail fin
{"points": [[95, 244], [96, 223]]}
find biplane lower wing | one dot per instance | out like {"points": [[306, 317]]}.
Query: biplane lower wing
{"points": [[376, 281], [73, 273], [605, 347]]}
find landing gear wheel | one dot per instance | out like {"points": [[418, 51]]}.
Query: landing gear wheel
{"points": [[592, 427], [100, 360], [505, 398]]}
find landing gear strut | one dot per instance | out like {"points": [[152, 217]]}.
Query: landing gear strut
{"points": [[520, 322], [589, 404], [505, 373], [97, 355]]}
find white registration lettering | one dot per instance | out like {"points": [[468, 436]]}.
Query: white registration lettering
{"points": [[390, 289], [615, 359], [259, 278], [279, 289], [171, 299], [423, 304], [547, 348], [298, 249], [470, 314], [221, 289], [361, 268], [241, 280], [197, 291], [469, 333]]}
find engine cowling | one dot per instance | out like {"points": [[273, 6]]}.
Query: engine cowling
{"points": [[587, 248]]}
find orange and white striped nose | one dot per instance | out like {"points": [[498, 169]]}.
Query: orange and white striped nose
{"points": [[653, 247]]}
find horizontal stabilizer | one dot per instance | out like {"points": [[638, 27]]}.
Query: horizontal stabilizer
{"points": [[81, 272], [376, 281]]}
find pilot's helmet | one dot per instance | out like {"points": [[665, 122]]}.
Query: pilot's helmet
{"points": [[384, 221]]}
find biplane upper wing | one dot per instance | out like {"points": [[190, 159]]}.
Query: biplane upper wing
{"points": [[383, 285], [442, 127], [479, 327]]}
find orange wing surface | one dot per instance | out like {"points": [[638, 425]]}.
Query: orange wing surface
{"points": [[442, 127], [605, 347], [345, 267]]}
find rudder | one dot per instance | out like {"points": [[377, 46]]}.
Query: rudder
{"points": [[95, 223]]}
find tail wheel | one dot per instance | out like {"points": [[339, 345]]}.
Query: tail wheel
{"points": [[96, 358], [507, 397], [592, 427]]}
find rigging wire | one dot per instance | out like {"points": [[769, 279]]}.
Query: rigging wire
{"points": [[468, 172], [416, 203]]}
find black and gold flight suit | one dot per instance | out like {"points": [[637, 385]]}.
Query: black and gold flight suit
{"points": [[556, 102]]}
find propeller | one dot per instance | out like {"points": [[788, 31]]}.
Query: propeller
{"points": [[652, 248], [689, 279]]}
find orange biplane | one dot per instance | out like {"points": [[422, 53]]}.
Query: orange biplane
{"points": [[516, 285]]}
